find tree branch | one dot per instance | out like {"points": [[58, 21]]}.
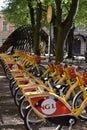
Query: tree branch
{"points": [[59, 11], [31, 12], [70, 18]]}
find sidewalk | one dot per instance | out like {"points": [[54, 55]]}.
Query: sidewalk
{"points": [[9, 115]]}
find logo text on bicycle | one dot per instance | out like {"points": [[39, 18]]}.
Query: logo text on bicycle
{"points": [[48, 106]]}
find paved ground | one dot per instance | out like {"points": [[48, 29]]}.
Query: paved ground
{"points": [[9, 116]]}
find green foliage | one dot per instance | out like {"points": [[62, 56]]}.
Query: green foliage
{"points": [[65, 8], [81, 16], [16, 11]]}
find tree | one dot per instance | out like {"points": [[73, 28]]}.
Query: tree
{"points": [[63, 25]]}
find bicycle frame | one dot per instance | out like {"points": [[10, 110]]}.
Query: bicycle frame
{"points": [[49, 106]]}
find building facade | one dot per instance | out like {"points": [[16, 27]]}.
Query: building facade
{"points": [[5, 29], [80, 40]]}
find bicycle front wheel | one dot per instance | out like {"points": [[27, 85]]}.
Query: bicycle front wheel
{"points": [[34, 122], [77, 103], [23, 105]]}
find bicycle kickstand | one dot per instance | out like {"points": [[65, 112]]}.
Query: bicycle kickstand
{"points": [[71, 121], [58, 127]]}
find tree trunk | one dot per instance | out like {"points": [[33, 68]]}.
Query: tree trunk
{"points": [[61, 38], [70, 42], [36, 25], [37, 29], [36, 41]]}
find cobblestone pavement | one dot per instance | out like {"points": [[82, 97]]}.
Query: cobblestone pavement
{"points": [[9, 116]]}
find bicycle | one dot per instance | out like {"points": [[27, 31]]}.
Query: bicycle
{"points": [[45, 106], [81, 96]]}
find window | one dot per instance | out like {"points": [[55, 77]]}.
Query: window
{"points": [[77, 46], [4, 26]]}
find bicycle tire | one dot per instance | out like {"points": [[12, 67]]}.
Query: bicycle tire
{"points": [[23, 106], [76, 104], [34, 122], [17, 96], [42, 69], [13, 89]]}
